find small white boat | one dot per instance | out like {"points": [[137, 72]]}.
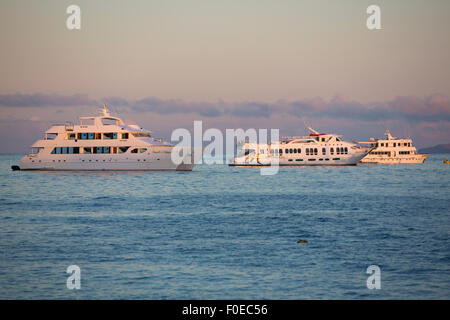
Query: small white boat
{"points": [[391, 150]]}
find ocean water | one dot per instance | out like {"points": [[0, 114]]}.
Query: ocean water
{"points": [[221, 232]]}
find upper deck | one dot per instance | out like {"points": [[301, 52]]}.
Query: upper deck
{"points": [[110, 130]]}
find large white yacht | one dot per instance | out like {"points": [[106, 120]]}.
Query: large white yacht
{"points": [[317, 149], [391, 150], [102, 142]]}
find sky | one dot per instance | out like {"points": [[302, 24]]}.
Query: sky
{"points": [[232, 64]]}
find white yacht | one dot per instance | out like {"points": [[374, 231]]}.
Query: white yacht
{"points": [[317, 149], [391, 150], [102, 142]]}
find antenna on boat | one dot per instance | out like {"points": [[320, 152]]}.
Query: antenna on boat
{"points": [[105, 111], [388, 134], [309, 127]]}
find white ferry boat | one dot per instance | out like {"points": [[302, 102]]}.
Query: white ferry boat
{"points": [[102, 142], [317, 149], [393, 150]]}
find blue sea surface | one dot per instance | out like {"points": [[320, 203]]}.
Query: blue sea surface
{"points": [[224, 232]]}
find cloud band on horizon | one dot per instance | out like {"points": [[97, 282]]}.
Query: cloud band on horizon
{"points": [[432, 108]]}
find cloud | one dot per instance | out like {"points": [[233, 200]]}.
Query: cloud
{"points": [[172, 106], [412, 109], [44, 100], [426, 119], [253, 109]]}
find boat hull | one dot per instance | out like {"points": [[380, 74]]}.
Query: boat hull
{"points": [[408, 159], [308, 161], [152, 162]]}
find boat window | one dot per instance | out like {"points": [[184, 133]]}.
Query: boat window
{"points": [[324, 151], [66, 150], [87, 150], [51, 136], [71, 136], [73, 150], [382, 144], [36, 150], [110, 135], [99, 150], [280, 151], [91, 136], [142, 150], [338, 151], [107, 122], [123, 149], [135, 150], [299, 150], [332, 150], [346, 150], [307, 151], [290, 151], [141, 134], [295, 150], [248, 151], [315, 151], [125, 135]]}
